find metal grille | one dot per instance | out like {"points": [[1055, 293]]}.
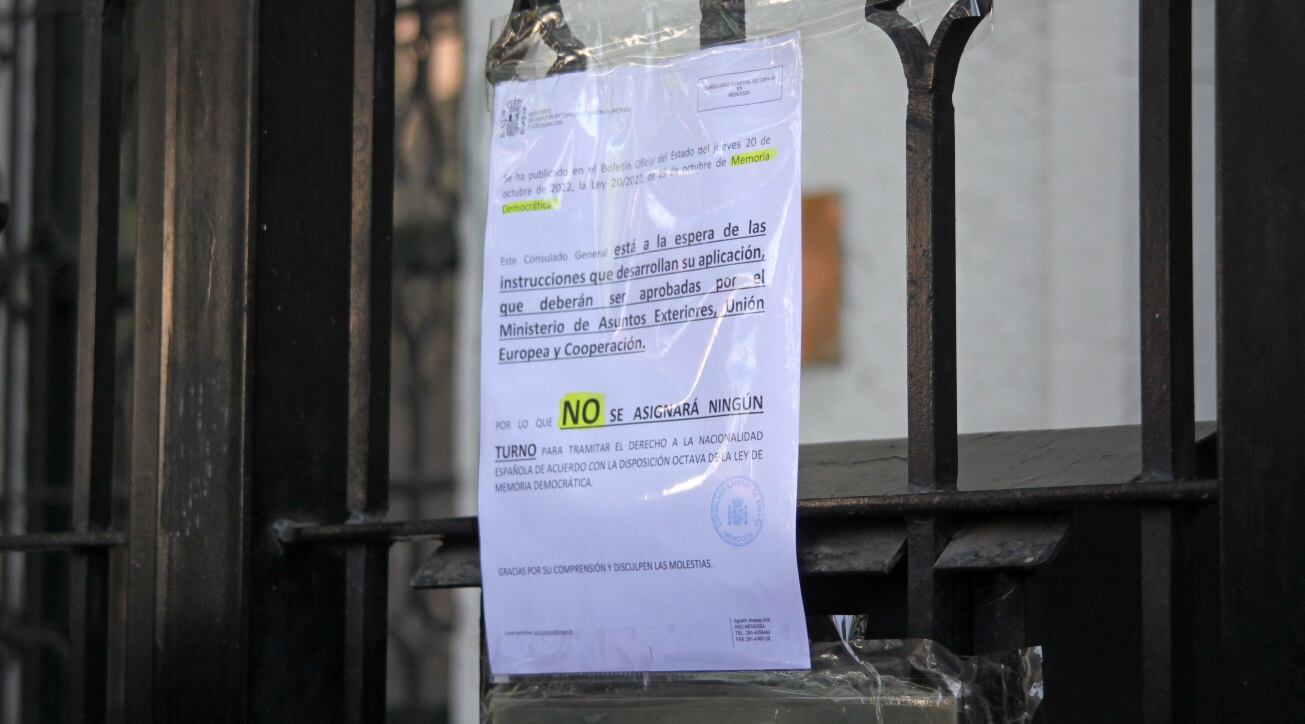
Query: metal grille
{"points": [[39, 86], [197, 510]]}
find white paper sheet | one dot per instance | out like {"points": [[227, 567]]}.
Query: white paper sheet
{"points": [[640, 360]]}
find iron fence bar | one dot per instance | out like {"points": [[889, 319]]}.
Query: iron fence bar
{"points": [[201, 637], [10, 477], [63, 541], [154, 121], [378, 531], [937, 605], [1169, 627], [979, 502], [51, 345], [1182, 493], [318, 246], [1165, 152], [1168, 413], [10, 361], [94, 405], [370, 273], [1260, 157]]}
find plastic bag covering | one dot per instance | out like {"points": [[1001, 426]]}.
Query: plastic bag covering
{"points": [[867, 682], [640, 367], [550, 37]]}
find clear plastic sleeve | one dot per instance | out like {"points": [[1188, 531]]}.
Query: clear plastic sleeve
{"points": [[868, 682], [645, 166], [542, 37], [642, 317]]}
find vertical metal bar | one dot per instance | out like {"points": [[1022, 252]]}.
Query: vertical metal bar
{"points": [[1159, 554], [1168, 430], [154, 122], [1260, 157], [52, 347], [931, 289], [1169, 622], [1165, 75], [937, 606], [272, 231], [934, 601], [201, 607], [305, 435], [370, 275], [13, 495], [93, 455]]}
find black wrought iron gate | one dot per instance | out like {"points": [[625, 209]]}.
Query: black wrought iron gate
{"points": [[240, 571]]}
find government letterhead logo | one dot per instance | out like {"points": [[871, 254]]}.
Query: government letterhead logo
{"points": [[512, 121]]}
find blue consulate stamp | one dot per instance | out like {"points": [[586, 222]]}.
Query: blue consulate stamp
{"points": [[738, 510]]}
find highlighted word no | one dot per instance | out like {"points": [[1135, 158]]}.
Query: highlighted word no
{"points": [[581, 410]]}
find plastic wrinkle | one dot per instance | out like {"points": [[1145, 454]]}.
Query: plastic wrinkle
{"points": [[595, 35], [878, 682]]}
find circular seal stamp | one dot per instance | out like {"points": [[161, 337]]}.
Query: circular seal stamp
{"points": [[738, 510]]}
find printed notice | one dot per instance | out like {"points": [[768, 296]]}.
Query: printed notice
{"points": [[640, 361]]}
